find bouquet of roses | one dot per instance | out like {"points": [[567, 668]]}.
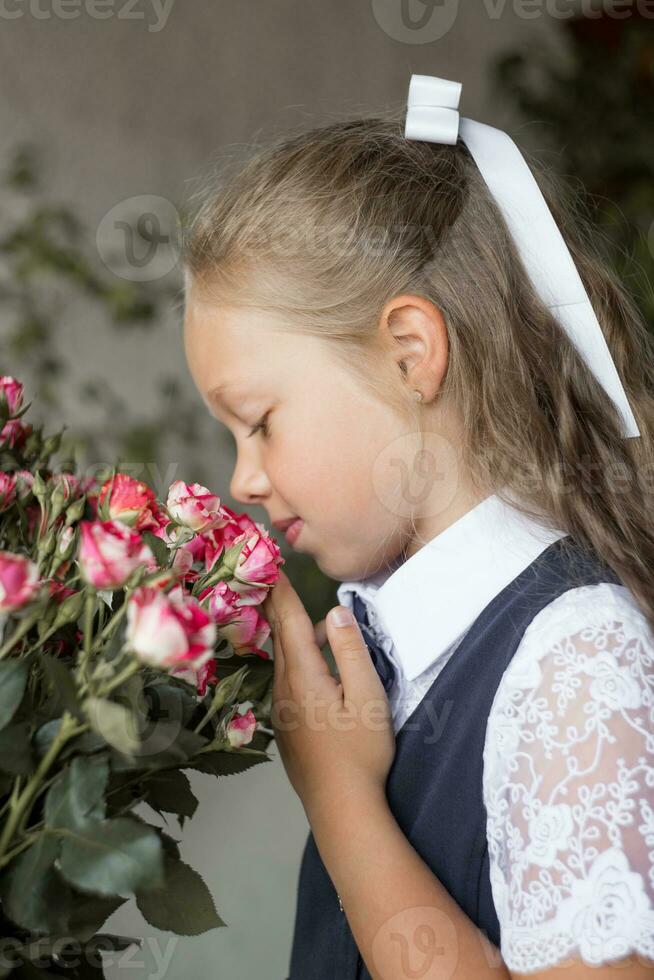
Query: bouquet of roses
{"points": [[130, 649]]}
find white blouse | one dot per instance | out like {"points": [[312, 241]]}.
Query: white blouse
{"points": [[568, 774]]}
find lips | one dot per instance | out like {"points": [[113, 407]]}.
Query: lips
{"points": [[293, 530], [283, 525]]}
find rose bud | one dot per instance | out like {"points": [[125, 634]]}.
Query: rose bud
{"points": [[109, 552], [165, 629], [14, 434], [66, 543], [70, 602], [241, 729], [24, 481], [195, 507], [11, 394], [19, 581], [65, 490], [8, 486]]}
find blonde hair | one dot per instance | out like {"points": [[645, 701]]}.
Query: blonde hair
{"points": [[324, 227]]}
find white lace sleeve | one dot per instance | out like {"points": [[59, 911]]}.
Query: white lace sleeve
{"points": [[569, 785]]}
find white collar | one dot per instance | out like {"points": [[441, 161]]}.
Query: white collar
{"points": [[429, 600]]}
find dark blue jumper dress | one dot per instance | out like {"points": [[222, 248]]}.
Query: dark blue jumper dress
{"points": [[434, 787]]}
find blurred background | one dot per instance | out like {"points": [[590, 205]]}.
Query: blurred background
{"points": [[110, 112]]}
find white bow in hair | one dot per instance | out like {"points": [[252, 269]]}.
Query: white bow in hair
{"points": [[432, 115], [433, 109]]}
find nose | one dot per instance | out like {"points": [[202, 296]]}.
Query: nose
{"points": [[249, 483]]}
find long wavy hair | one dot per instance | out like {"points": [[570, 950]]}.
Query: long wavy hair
{"points": [[324, 227]]}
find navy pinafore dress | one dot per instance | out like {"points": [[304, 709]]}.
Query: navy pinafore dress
{"points": [[434, 787]]}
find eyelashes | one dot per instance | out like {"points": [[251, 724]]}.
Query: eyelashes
{"points": [[261, 425]]}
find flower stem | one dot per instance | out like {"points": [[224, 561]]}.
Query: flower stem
{"points": [[20, 804], [24, 844], [20, 631], [109, 626], [89, 604], [130, 669]]}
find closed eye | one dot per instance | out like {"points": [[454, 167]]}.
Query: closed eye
{"points": [[261, 424]]}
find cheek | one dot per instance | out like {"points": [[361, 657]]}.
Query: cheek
{"points": [[322, 463]]}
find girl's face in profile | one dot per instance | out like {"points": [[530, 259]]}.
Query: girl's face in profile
{"points": [[321, 450]]}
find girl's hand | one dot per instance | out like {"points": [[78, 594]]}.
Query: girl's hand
{"points": [[335, 735]]}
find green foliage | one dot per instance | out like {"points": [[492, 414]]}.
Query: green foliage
{"points": [[88, 731]]}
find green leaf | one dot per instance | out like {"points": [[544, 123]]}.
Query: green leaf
{"points": [[63, 684], [89, 913], [169, 843], [164, 744], [76, 798], [15, 750], [114, 722], [158, 547], [112, 857], [33, 893], [86, 742], [183, 904], [45, 734], [171, 792], [13, 677], [224, 763], [171, 701]]}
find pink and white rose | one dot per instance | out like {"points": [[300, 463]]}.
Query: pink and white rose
{"points": [[247, 631], [166, 629], [241, 729], [19, 581], [109, 553], [201, 678], [14, 433], [11, 393], [195, 507], [257, 565], [130, 501], [224, 537], [8, 487]]}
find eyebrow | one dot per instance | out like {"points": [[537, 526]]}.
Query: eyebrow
{"points": [[213, 393]]}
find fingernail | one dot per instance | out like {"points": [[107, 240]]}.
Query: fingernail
{"points": [[341, 616]]}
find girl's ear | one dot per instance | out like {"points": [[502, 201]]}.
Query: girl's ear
{"points": [[416, 338]]}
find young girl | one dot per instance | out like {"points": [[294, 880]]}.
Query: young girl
{"points": [[363, 313]]}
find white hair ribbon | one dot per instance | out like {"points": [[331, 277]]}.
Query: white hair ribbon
{"points": [[432, 115]]}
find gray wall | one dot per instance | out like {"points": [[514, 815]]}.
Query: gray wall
{"points": [[123, 111]]}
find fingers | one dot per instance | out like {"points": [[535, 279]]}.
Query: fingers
{"points": [[320, 631], [293, 630], [352, 657]]}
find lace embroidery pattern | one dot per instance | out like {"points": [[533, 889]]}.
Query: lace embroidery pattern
{"points": [[569, 784]]}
